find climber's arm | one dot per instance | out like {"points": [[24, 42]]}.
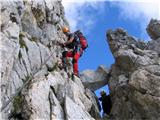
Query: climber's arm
{"points": [[70, 40]]}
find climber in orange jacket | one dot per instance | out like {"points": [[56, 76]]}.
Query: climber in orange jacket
{"points": [[74, 50]]}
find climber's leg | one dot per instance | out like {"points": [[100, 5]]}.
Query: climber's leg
{"points": [[65, 55], [75, 63]]}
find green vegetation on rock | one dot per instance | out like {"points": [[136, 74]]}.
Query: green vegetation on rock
{"points": [[17, 104], [21, 41], [35, 39]]}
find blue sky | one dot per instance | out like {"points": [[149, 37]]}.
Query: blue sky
{"points": [[95, 17]]}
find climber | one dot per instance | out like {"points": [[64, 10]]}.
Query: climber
{"points": [[75, 50], [106, 103]]}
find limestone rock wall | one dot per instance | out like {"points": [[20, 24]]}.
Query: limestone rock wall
{"points": [[135, 76], [29, 51]]}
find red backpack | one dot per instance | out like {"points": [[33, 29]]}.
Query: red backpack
{"points": [[82, 40]]}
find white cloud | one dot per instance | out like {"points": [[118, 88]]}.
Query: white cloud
{"points": [[75, 13], [140, 11]]}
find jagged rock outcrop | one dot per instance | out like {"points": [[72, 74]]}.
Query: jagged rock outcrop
{"points": [[29, 55], [153, 29], [135, 77], [95, 79]]}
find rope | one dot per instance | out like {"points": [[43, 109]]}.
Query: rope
{"points": [[27, 81]]}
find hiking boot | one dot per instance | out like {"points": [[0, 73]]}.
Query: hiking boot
{"points": [[62, 65], [69, 75]]}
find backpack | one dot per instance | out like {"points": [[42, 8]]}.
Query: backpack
{"points": [[82, 40]]}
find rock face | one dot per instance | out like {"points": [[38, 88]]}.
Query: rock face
{"points": [[153, 29], [30, 30], [135, 77], [95, 79]]}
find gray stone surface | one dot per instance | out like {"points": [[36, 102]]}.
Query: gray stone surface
{"points": [[154, 45], [95, 108], [135, 80], [153, 29], [95, 79], [73, 111], [29, 55]]}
